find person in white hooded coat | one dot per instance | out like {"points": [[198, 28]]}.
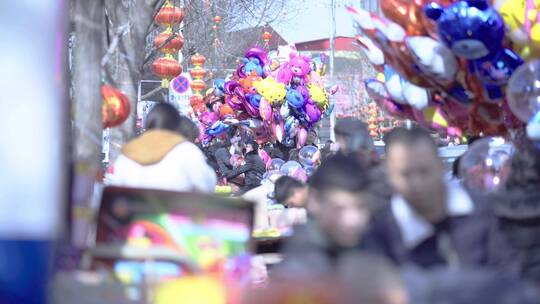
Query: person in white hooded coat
{"points": [[161, 158]]}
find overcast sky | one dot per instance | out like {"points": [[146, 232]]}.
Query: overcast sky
{"points": [[313, 20]]}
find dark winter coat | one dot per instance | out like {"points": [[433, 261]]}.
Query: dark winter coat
{"points": [[254, 170], [468, 235], [518, 219]]}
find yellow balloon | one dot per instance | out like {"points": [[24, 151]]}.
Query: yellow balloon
{"points": [[380, 77], [191, 290]]}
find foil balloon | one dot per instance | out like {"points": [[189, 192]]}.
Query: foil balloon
{"points": [[288, 168], [275, 164], [523, 91], [475, 31], [265, 110], [410, 15], [310, 170], [522, 20], [533, 127], [309, 155], [301, 137], [485, 166], [313, 113]]}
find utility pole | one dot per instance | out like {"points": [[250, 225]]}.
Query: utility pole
{"points": [[332, 55]]}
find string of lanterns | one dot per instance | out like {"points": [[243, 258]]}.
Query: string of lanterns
{"points": [[167, 67], [197, 83]]}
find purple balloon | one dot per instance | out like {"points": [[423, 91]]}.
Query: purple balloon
{"points": [[259, 53], [235, 104], [208, 118], [230, 86], [312, 112], [250, 109]]}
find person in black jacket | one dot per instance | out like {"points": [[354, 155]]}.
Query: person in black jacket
{"points": [[253, 168], [518, 214], [429, 222], [339, 201]]}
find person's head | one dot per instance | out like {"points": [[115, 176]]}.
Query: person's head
{"points": [[370, 279], [188, 129], [352, 137], [163, 116], [290, 192], [415, 170], [251, 146], [339, 199]]}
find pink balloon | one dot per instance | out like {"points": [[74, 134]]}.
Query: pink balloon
{"points": [[301, 138], [265, 110]]}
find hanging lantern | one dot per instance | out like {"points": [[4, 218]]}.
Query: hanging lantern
{"points": [[116, 107], [197, 85], [217, 19], [266, 37], [169, 15], [373, 134], [173, 46], [197, 73], [215, 27], [198, 60], [167, 69], [372, 120]]}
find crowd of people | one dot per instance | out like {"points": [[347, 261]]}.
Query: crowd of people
{"points": [[389, 229]]}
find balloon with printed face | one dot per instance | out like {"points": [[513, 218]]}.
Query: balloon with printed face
{"points": [[275, 164]]}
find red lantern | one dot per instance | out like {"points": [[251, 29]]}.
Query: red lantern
{"points": [[198, 60], [116, 107], [214, 27], [169, 15], [266, 36], [372, 127], [197, 85], [166, 68], [173, 46], [217, 19], [373, 134], [372, 120], [197, 73]]}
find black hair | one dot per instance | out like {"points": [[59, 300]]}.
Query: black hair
{"points": [[163, 116], [284, 188], [341, 172], [293, 154], [188, 129], [356, 134], [408, 137], [525, 168]]}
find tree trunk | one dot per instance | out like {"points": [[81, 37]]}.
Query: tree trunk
{"points": [[88, 26], [124, 69], [87, 53]]}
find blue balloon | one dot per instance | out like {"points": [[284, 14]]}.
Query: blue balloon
{"points": [[219, 87], [294, 98]]}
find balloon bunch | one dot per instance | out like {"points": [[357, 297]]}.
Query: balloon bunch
{"points": [[309, 158], [447, 64], [278, 97]]}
